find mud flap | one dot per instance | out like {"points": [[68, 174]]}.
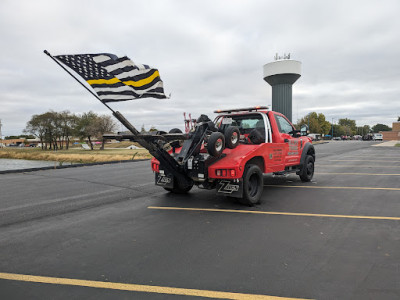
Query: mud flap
{"points": [[230, 188], [165, 180]]}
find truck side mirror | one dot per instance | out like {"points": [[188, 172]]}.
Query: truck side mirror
{"points": [[304, 130], [296, 133]]}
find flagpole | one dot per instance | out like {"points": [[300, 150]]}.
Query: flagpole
{"points": [[72, 75]]}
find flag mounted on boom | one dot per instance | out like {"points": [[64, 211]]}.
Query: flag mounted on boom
{"points": [[115, 79]]}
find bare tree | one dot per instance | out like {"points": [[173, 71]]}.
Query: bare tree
{"points": [[85, 127], [104, 124]]}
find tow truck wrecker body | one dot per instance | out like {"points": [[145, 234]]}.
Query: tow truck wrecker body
{"points": [[232, 153]]}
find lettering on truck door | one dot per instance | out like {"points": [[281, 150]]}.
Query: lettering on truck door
{"points": [[293, 144]]}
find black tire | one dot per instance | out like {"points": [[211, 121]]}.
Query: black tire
{"points": [[307, 171], [177, 189], [257, 136], [253, 185], [216, 144], [176, 144], [232, 137], [175, 130]]}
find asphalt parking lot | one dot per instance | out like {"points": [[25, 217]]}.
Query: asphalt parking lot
{"points": [[106, 232]]}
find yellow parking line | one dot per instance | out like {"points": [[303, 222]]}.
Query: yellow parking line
{"points": [[373, 160], [370, 156], [137, 287], [333, 187], [371, 174], [359, 166], [273, 213]]}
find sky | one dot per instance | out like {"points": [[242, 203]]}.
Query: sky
{"points": [[210, 55]]}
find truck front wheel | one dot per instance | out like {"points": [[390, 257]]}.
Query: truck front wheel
{"points": [[252, 185], [307, 171]]}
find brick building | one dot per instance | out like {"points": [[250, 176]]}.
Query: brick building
{"points": [[392, 135], [12, 142]]}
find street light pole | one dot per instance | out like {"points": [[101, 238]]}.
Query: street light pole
{"points": [[332, 127]]}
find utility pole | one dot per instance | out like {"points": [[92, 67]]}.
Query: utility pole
{"points": [[1, 136], [332, 127]]}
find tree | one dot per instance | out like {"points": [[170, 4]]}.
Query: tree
{"points": [[85, 127], [363, 130], [317, 123], [349, 126], [324, 124], [338, 130], [39, 126], [398, 119], [153, 129], [68, 123], [380, 127], [143, 130], [22, 136], [104, 124]]}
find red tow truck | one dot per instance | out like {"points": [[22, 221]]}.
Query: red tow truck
{"points": [[231, 153]]}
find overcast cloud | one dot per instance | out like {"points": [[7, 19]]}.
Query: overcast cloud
{"points": [[210, 55]]}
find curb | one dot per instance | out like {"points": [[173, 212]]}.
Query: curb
{"points": [[70, 166], [327, 142]]}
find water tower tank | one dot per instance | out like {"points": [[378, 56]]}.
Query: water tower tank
{"points": [[281, 74]]}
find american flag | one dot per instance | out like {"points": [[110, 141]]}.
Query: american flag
{"points": [[115, 79]]}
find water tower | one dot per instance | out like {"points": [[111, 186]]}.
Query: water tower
{"points": [[281, 74]]}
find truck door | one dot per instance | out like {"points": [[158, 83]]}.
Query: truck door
{"points": [[293, 148]]}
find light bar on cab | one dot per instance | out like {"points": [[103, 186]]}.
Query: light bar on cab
{"points": [[255, 108]]}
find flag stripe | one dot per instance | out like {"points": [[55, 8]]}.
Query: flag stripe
{"points": [[136, 75], [112, 86], [103, 90], [122, 88], [130, 72], [104, 81], [108, 98], [144, 81], [101, 58]]}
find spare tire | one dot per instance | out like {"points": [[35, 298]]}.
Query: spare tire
{"points": [[175, 130], [216, 144], [257, 136], [232, 137], [176, 144]]}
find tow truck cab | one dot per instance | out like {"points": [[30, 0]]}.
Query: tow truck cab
{"points": [[267, 143]]}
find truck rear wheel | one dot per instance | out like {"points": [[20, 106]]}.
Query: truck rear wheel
{"points": [[307, 171], [216, 144], [252, 185], [232, 137]]}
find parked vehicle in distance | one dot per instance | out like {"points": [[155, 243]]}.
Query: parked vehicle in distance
{"points": [[367, 137], [314, 136], [377, 137]]}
